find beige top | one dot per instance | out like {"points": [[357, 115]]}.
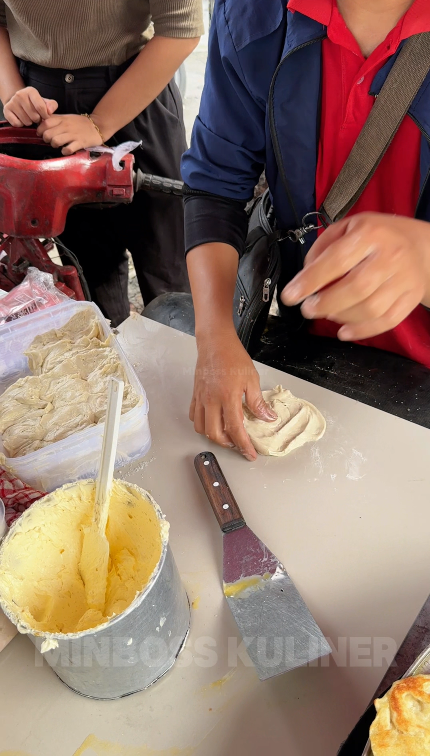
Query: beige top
{"points": [[79, 33]]}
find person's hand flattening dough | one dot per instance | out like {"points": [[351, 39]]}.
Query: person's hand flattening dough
{"points": [[367, 273], [224, 373]]}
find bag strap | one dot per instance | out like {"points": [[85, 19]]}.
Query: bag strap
{"points": [[391, 105]]}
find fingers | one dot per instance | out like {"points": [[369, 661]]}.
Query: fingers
{"points": [[334, 263], [377, 305], [72, 148], [367, 329], [192, 408], [235, 429], [355, 287], [50, 124], [12, 118], [208, 421], [36, 106], [16, 109], [223, 425], [199, 419], [214, 426], [257, 405], [28, 107], [45, 107], [58, 138]]}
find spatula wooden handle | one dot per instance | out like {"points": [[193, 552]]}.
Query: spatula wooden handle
{"points": [[218, 492]]}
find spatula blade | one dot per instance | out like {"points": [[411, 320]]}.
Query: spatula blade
{"points": [[277, 627]]}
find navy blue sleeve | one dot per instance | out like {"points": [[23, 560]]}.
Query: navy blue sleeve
{"points": [[228, 147], [210, 218]]}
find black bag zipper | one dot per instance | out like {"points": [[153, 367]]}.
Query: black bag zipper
{"points": [[259, 300]]}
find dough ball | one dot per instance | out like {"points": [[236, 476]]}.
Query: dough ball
{"points": [[298, 422]]}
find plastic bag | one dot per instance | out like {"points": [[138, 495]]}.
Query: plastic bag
{"points": [[117, 152], [36, 292]]}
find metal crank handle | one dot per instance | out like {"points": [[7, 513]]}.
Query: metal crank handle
{"points": [[218, 491], [151, 183]]}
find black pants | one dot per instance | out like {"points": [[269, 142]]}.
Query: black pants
{"points": [[151, 227]]}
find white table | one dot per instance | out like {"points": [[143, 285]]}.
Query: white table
{"points": [[347, 516]]}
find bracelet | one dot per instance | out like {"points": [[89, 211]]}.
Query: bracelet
{"points": [[96, 127]]}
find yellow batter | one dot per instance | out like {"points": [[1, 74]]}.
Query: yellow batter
{"points": [[242, 588], [40, 582]]}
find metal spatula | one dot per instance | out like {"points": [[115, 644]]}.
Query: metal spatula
{"points": [[278, 629]]}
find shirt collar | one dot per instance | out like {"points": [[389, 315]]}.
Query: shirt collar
{"points": [[415, 21], [318, 10]]}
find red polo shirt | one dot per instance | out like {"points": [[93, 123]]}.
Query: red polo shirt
{"points": [[346, 80]]}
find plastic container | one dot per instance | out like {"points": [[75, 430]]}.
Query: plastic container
{"points": [[78, 455], [3, 526]]}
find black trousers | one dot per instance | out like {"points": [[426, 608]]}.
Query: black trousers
{"points": [[151, 227]]}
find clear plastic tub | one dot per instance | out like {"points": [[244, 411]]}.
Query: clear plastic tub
{"points": [[3, 526], [78, 455]]}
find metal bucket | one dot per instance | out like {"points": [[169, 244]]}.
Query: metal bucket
{"points": [[129, 652]]}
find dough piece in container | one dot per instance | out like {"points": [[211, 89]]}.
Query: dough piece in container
{"points": [[64, 421], [64, 389], [85, 362], [298, 422], [98, 403], [25, 390], [12, 414], [84, 323], [19, 436], [53, 355], [98, 379], [402, 723], [68, 392]]}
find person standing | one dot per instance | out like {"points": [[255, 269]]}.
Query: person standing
{"points": [[102, 72], [288, 88]]}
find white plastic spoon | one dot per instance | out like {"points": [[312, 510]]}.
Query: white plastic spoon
{"points": [[94, 562]]}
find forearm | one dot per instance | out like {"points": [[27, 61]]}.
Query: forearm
{"points": [[10, 79], [212, 269], [141, 83]]}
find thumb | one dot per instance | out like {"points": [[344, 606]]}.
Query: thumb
{"points": [[256, 404], [51, 106]]}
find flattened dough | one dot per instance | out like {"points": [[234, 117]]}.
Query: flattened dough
{"points": [[298, 422]]}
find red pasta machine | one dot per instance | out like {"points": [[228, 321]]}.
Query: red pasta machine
{"points": [[38, 187]]}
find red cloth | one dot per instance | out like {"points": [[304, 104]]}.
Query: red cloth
{"points": [[346, 80], [16, 495]]}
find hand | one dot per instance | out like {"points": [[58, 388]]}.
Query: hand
{"points": [[367, 273], [72, 132], [224, 373], [27, 106]]}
